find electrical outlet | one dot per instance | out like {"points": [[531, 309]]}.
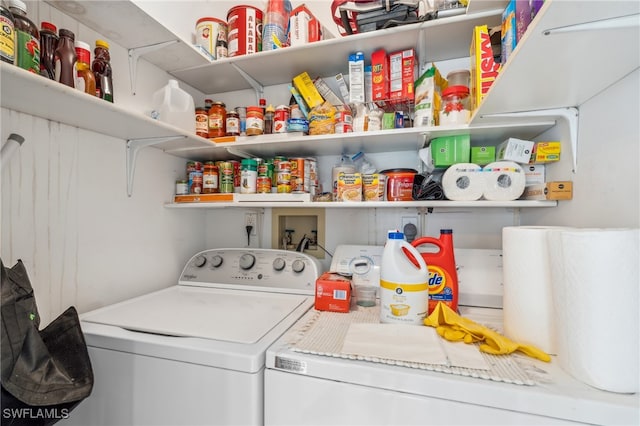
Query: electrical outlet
{"points": [[251, 219], [407, 220]]}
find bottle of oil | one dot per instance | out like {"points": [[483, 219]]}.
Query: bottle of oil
{"points": [[443, 278], [27, 38]]}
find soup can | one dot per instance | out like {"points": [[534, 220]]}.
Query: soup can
{"points": [[226, 177]]}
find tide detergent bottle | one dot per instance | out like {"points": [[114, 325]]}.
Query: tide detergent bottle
{"points": [[443, 278], [404, 292]]}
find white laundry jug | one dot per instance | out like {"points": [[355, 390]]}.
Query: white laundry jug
{"points": [[404, 282], [174, 106]]}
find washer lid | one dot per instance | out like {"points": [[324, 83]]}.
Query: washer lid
{"points": [[208, 313]]}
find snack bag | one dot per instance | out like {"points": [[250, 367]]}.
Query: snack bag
{"points": [[322, 119], [427, 101]]}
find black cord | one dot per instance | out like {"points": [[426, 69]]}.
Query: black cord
{"points": [[325, 250]]}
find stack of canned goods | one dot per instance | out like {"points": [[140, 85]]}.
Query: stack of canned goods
{"points": [[252, 175]]}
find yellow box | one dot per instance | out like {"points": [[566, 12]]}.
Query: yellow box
{"points": [[484, 69], [545, 152], [349, 187], [560, 190], [307, 90]]}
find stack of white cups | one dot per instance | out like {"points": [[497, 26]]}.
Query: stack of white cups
{"points": [[575, 293]]}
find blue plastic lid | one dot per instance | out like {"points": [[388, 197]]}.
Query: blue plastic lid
{"points": [[395, 235]]}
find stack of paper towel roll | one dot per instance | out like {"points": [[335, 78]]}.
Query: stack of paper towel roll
{"points": [[498, 181], [575, 293]]}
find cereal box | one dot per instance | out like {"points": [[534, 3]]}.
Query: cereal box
{"points": [[401, 74], [333, 293], [379, 75], [484, 69], [349, 187]]}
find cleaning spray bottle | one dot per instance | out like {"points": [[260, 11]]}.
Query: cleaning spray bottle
{"points": [[443, 278], [404, 292]]}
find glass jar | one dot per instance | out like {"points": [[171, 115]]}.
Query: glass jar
{"points": [[217, 120], [255, 121], [210, 178], [202, 122], [233, 124], [455, 106]]}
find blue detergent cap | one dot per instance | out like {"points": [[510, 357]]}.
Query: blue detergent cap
{"points": [[395, 235]]}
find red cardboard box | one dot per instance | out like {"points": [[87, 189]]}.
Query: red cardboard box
{"points": [[333, 293], [401, 74], [379, 75]]}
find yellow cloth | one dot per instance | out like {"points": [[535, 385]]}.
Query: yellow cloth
{"points": [[454, 327]]}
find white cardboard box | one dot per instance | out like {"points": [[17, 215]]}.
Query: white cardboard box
{"points": [[517, 150]]}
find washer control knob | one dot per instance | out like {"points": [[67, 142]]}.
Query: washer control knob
{"points": [[278, 264], [199, 261], [216, 261], [247, 261], [298, 266]]}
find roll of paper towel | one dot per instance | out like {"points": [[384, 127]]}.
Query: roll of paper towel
{"points": [[463, 182], [527, 302], [503, 181], [595, 279]]}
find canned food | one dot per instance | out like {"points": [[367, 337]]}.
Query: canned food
{"points": [[195, 183], [263, 185], [233, 124], [236, 174], [281, 119], [211, 34], [226, 177], [399, 184], [297, 174], [248, 176], [210, 178]]}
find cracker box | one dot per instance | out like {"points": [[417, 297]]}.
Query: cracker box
{"points": [[517, 150], [484, 69], [401, 74], [379, 75], [560, 190], [333, 293], [545, 152]]}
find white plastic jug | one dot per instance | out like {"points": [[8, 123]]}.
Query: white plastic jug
{"points": [[174, 106], [404, 287]]}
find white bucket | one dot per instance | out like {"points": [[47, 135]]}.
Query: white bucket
{"points": [[174, 106], [404, 288]]}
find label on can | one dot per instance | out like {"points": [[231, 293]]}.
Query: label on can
{"points": [[211, 34], [226, 177], [245, 30], [297, 174], [281, 119], [195, 183], [263, 184]]}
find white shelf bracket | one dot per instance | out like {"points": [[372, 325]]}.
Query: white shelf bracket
{"points": [[259, 88], [134, 55], [570, 115], [238, 153], [135, 145]]}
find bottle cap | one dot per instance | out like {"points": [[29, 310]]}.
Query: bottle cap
{"points": [[395, 235], [44, 25]]}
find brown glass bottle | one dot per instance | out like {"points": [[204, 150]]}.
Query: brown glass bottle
{"points": [[27, 38], [48, 45], [86, 78], [101, 67], [65, 58]]}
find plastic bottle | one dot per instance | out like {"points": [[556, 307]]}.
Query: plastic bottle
{"points": [[86, 80], [65, 58], [404, 292], [48, 44], [7, 36], [269, 113], [27, 38], [443, 277], [174, 106], [275, 24], [101, 67], [362, 163]]}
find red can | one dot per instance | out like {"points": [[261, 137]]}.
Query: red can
{"points": [[236, 173], [297, 174], [281, 119], [245, 30], [263, 184]]}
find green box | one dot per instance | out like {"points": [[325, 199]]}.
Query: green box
{"points": [[449, 150], [483, 155], [388, 121]]}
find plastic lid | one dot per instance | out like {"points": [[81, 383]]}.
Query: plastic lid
{"points": [[102, 43], [44, 25], [395, 235], [446, 231], [456, 90], [18, 4], [270, 108], [357, 156]]}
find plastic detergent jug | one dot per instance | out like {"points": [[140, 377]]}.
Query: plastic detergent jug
{"points": [[404, 293], [443, 278], [174, 106]]}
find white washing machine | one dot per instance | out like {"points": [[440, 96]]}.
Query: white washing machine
{"points": [[309, 388], [194, 353]]}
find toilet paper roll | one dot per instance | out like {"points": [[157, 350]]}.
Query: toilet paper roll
{"points": [[503, 181], [527, 302], [595, 277], [463, 182]]}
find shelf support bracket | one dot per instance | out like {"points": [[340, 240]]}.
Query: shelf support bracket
{"points": [[134, 55], [135, 145], [238, 153], [570, 115], [259, 88]]}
